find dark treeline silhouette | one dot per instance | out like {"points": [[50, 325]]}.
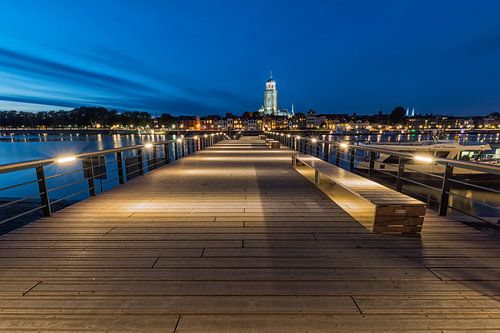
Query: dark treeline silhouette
{"points": [[79, 117]]}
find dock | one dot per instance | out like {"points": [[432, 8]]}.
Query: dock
{"points": [[233, 239]]}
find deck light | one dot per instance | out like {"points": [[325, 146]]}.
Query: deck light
{"points": [[288, 136], [148, 145], [426, 159], [66, 159], [195, 137], [205, 136], [314, 140], [343, 145], [297, 137], [179, 140]]}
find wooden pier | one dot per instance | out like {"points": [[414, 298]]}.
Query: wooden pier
{"points": [[233, 239]]}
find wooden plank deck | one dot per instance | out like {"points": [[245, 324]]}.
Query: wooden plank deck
{"points": [[232, 239]]}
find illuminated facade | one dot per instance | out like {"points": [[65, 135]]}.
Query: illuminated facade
{"points": [[271, 97]]}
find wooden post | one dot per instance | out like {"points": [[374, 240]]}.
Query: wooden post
{"points": [[445, 190], [401, 170], [88, 170], [42, 190], [119, 164]]}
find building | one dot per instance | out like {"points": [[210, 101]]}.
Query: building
{"points": [[271, 97], [270, 107]]}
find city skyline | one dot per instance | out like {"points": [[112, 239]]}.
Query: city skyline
{"points": [[204, 58]]}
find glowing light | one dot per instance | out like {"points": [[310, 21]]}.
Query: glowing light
{"points": [[179, 140], [195, 137], [206, 136], [314, 140], [426, 159], [297, 137], [65, 159], [148, 145], [344, 145]]}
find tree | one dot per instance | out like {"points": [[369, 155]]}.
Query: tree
{"points": [[398, 114]]}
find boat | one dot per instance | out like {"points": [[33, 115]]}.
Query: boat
{"points": [[427, 151]]}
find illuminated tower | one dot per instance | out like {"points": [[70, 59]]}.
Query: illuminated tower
{"points": [[271, 97]]}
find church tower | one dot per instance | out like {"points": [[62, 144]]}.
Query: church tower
{"points": [[271, 97]]}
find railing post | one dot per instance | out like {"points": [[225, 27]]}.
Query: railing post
{"points": [[351, 158], [318, 149], [337, 155], [326, 151], [155, 159], [88, 170], [166, 153], [42, 190], [371, 162], [401, 170], [140, 162], [175, 151], [294, 160], [183, 148], [119, 164], [316, 177], [445, 190]]}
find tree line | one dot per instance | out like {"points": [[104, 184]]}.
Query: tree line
{"points": [[79, 117]]}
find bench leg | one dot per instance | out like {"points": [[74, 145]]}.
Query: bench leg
{"points": [[316, 177]]}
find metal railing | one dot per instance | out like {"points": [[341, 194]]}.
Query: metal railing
{"points": [[111, 166], [363, 160]]}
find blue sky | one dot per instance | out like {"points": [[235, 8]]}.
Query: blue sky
{"points": [[205, 57]]}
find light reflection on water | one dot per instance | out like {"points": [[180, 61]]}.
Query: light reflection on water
{"points": [[29, 147]]}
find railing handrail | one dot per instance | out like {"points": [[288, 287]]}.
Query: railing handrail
{"points": [[489, 168], [4, 168]]}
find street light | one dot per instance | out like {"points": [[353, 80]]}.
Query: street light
{"points": [[425, 159], [65, 159]]}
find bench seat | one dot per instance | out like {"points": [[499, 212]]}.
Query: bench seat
{"points": [[394, 212]]}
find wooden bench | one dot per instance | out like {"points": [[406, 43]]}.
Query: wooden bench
{"points": [[273, 144], [394, 212]]}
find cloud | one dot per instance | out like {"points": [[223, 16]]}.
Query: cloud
{"points": [[150, 92]]}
